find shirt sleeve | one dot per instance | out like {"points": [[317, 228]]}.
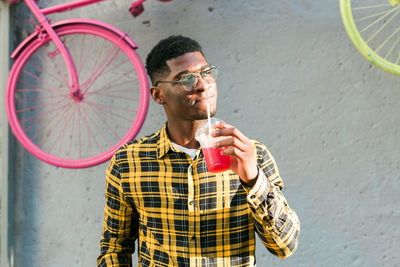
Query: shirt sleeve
{"points": [[120, 228], [275, 222]]}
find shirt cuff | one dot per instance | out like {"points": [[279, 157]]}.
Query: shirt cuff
{"points": [[259, 191]]}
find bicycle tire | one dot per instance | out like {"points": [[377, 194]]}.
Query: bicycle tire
{"points": [[373, 27], [61, 129]]}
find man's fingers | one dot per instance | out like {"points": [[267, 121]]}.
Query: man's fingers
{"points": [[232, 151], [231, 142], [225, 129]]}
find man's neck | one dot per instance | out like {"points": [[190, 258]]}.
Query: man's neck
{"points": [[183, 132]]}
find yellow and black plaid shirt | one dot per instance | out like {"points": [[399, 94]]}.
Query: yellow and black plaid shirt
{"points": [[183, 215]]}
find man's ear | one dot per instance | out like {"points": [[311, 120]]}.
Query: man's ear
{"points": [[157, 94]]}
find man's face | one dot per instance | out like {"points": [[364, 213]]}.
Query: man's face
{"points": [[188, 105]]}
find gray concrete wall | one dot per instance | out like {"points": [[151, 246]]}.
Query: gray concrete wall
{"points": [[291, 78]]}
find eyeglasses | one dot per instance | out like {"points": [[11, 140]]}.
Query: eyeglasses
{"points": [[189, 80]]}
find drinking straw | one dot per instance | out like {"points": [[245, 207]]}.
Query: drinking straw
{"points": [[209, 119]]}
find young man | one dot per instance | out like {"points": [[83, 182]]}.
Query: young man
{"points": [[159, 190]]}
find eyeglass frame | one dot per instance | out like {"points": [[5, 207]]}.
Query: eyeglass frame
{"points": [[198, 73]]}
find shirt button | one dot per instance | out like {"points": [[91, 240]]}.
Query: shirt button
{"points": [[194, 238], [192, 202], [253, 197]]}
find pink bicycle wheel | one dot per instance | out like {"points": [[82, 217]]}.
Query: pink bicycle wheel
{"points": [[64, 130]]}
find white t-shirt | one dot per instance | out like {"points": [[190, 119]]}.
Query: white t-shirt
{"points": [[190, 151]]}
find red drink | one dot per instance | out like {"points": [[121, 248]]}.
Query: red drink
{"points": [[215, 161]]}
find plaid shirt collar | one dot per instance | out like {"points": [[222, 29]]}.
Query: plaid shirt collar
{"points": [[164, 144]]}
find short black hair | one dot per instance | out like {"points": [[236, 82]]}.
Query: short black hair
{"points": [[166, 49]]}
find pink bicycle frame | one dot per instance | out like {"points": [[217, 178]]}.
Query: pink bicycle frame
{"points": [[68, 6]]}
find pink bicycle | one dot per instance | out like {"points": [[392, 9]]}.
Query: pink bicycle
{"points": [[77, 90]]}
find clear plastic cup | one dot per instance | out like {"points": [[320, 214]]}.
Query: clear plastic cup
{"points": [[216, 162]]}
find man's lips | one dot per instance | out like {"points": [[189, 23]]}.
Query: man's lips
{"points": [[196, 101]]}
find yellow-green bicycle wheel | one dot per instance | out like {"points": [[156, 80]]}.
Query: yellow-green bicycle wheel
{"points": [[374, 28]]}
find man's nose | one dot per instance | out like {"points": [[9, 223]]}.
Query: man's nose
{"points": [[201, 85]]}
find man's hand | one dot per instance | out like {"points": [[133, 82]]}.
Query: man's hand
{"points": [[243, 160]]}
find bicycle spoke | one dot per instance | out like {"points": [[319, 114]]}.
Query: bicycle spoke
{"points": [[108, 93], [72, 130], [110, 89], [398, 58], [109, 114], [46, 72], [387, 39], [67, 120], [54, 118], [41, 115], [370, 16], [373, 6], [105, 123], [113, 82], [54, 66], [111, 107], [90, 136], [99, 53], [37, 78], [34, 107], [39, 98], [97, 130], [82, 46], [123, 74], [383, 26], [56, 126], [85, 56], [39, 118], [36, 87], [95, 63], [379, 19], [102, 67], [42, 90], [61, 62], [118, 125], [392, 48], [79, 133], [119, 97]]}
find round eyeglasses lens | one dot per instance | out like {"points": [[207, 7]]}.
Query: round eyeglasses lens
{"points": [[189, 81], [210, 75]]}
